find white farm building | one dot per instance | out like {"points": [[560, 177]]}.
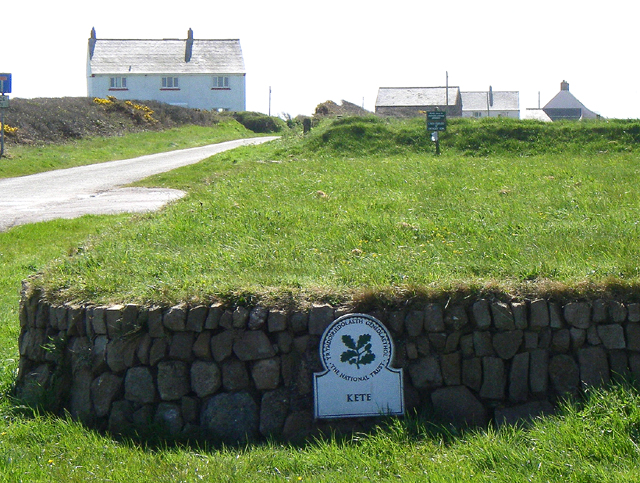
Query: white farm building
{"points": [[202, 74]]}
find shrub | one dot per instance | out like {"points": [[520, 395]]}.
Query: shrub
{"points": [[259, 123]]}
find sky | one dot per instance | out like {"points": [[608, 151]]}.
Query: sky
{"points": [[309, 52]]}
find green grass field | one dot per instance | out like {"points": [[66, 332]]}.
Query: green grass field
{"points": [[325, 216]]}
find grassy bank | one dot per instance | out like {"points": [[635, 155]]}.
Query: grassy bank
{"points": [[350, 211]]}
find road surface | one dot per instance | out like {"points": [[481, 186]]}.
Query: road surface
{"points": [[96, 189]]}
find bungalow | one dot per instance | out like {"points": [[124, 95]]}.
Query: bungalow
{"points": [[491, 103], [203, 74], [565, 106], [410, 101]]}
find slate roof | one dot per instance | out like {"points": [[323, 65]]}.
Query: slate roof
{"points": [[111, 56], [565, 106], [416, 96], [502, 101]]}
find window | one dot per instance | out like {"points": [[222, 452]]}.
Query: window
{"points": [[170, 83], [118, 83], [477, 114], [220, 82]]}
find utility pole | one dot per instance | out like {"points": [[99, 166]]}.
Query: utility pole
{"points": [[269, 101], [5, 87]]}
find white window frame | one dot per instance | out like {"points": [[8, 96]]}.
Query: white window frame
{"points": [[117, 83], [221, 82], [170, 82]]}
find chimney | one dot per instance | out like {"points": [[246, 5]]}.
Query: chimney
{"points": [[564, 85], [189, 46], [92, 42], [490, 96]]}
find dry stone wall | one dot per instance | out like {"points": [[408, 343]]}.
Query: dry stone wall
{"points": [[235, 373]]}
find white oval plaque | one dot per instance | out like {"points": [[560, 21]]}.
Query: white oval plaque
{"points": [[356, 351]]}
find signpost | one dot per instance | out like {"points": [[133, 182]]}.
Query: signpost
{"points": [[5, 88], [358, 380], [436, 122]]}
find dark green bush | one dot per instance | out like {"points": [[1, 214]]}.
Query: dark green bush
{"points": [[259, 123]]}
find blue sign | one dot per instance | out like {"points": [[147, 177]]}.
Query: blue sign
{"points": [[5, 83]]}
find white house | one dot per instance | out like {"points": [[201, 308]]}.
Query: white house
{"points": [[203, 74], [491, 103]]}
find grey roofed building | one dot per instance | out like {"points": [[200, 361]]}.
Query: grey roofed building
{"points": [[409, 101], [565, 106], [491, 104], [205, 74]]}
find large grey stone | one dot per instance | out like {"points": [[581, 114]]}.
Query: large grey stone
{"points": [[320, 317], [120, 417], [618, 312], [502, 316], [273, 412], [277, 321], [181, 346], [578, 314], [520, 319], [202, 346], [519, 378], [539, 372], [173, 380], [493, 378], [175, 318], [482, 343], [240, 317], [206, 378], [633, 337], [455, 317], [426, 373], [235, 376], [266, 374], [80, 406], [253, 345], [472, 373], [232, 418], [222, 344], [139, 386], [481, 314], [196, 317], [539, 311], [633, 312], [594, 366], [169, 418], [414, 322], [113, 319], [506, 344], [213, 316], [396, 321], [434, 318], [564, 374], [456, 405], [258, 318], [104, 390], [561, 340], [612, 336], [451, 369]]}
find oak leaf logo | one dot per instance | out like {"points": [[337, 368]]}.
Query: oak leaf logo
{"points": [[357, 354]]}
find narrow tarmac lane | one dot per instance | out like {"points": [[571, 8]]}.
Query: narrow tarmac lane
{"points": [[95, 189]]}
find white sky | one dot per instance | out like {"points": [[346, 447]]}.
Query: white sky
{"points": [[310, 52]]}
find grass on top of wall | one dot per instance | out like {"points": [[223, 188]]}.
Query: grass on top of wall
{"points": [[330, 220]]}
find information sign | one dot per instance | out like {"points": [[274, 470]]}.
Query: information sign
{"points": [[356, 352], [5, 83], [436, 121], [4, 102]]}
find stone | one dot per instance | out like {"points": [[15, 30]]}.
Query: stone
{"points": [[241, 317], [502, 316], [592, 336], [104, 390], [33, 387], [561, 340], [266, 374], [493, 378], [129, 318], [599, 311], [273, 412], [519, 310], [618, 312], [434, 318], [299, 322], [523, 414], [206, 378], [231, 418], [158, 351], [456, 405], [539, 314], [506, 344], [437, 340], [189, 409], [472, 373], [142, 418], [564, 374], [80, 405], [396, 321], [253, 345], [519, 378], [298, 426], [414, 322], [594, 366], [222, 345], [411, 350], [633, 312], [451, 369], [539, 372], [482, 343], [173, 380], [181, 346], [453, 342], [226, 319], [320, 317], [202, 346], [142, 351], [612, 336], [619, 364], [578, 337], [481, 312], [175, 318], [633, 337], [578, 314], [99, 354], [113, 319], [276, 321], [455, 318], [120, 417], [466, 345], [169, 418], [156, 327], [213, 317], [116, 355], [634, 364], [530, 340], [235, 376], [75, 326], [426, 373], [556, 320], [139, 386], [196, 317], [285, 341], [258, 318], [98, 321]]}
